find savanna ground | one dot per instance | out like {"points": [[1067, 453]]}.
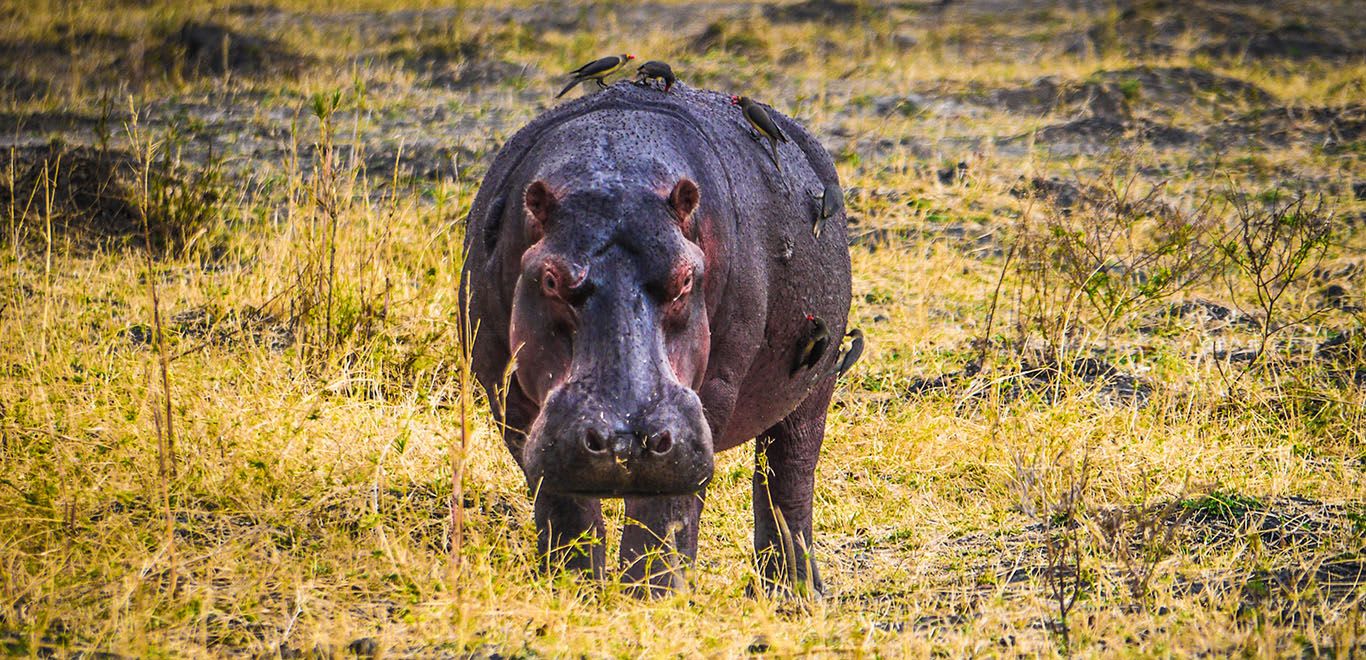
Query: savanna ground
{"points": [[1109, 259]]}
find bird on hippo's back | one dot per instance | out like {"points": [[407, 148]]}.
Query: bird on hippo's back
{"points": [[656, 70], [813, 346], [596, 71], [762, 124], [831, 200], [849, 357]]}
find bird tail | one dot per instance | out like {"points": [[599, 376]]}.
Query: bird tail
{"points": [[569, 87], [776, 162]]}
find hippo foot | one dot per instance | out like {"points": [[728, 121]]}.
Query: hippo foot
{"points": [[784, 482], [658, 543], [655, 576], [583, 555], [787, 579], [776, 590], [786, 565], [570, 534]]}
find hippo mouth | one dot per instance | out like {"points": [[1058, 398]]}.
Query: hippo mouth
{"points": [[629, 492], [623, 472], [580, 447]]}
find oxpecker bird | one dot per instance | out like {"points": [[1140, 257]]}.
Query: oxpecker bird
{"points": [[813, 347], [832, 201], [851, 355], [762, 124], [596, 71], [655, 69]]}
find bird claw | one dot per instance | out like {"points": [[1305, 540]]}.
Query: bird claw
{"points": [[650, 82]]}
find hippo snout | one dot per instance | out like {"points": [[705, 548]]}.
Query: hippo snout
{"points": [[584, 443]]}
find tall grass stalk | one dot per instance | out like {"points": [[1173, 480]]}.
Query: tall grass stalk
{"points": [[461, 450], [49, 193], [164, 418]]}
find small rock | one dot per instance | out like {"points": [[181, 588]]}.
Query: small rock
{"points": [[905, 104], [365, 647], [138, 335], [890, 626], [903, 40], [949, 175]]}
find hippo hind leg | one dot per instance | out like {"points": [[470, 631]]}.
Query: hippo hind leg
{"points": [[784, 483], [659, 541]]}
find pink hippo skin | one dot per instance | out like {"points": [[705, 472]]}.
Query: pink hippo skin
{"points": [[653, 272]]}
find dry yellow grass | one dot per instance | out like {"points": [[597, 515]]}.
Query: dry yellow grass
{"points": [[309, 503]]}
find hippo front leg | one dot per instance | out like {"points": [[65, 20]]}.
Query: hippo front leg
{"points": [[570, 533], [784, 483], [659, 541]]}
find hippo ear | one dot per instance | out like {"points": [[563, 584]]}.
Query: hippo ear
{"points": [[684, 199], [540, 202]]}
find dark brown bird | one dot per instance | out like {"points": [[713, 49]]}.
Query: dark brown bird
{"points": [[813, 347], [762, 124], [655, 69], [850, 356], [832, 201], [596, 71]]}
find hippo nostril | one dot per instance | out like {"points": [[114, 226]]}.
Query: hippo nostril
{"points": [[660, 443], [594, 442]]}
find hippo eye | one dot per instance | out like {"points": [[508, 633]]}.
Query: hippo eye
{"points": [[550, 284], [684, 287]]}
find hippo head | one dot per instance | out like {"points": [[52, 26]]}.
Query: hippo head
{"points": [[611, 335]]}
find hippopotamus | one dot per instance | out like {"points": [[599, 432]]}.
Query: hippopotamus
{"points": [[641, 278]]}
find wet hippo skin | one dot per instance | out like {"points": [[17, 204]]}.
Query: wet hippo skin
{"points": [[653, 274]]}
